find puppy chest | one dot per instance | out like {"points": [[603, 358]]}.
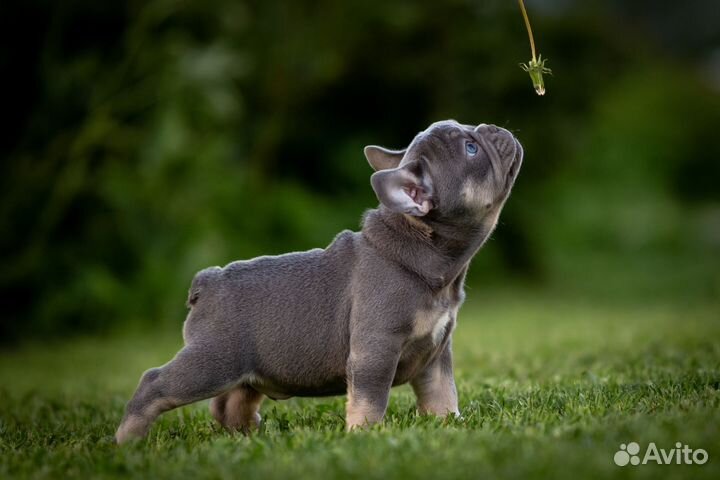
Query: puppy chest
{"points": [[430, 329], [433, 323]]}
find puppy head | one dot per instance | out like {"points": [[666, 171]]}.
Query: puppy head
{"points": [[449, 173]]}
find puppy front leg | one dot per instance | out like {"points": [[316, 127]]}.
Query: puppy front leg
{"points": [[370, 372], [435, 386]]}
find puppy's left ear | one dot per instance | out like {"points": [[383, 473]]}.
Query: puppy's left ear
{"points": [[381, 158], [404, 189]]}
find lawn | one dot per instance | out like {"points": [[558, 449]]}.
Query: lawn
{"points": [[549, 387]]}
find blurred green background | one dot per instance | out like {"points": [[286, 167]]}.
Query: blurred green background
{"points": [[145, 140]]}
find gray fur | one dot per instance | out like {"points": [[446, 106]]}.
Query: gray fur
{"points": [[374, 309]]}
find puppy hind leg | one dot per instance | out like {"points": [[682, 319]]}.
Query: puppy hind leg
{"points": [[237, 410], [217, 408], [191, 376]]}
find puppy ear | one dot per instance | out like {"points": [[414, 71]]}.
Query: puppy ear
{"points": [[382, 159], [404, 189]]}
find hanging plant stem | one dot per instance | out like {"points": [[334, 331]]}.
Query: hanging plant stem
{"points": [[536, 66]]}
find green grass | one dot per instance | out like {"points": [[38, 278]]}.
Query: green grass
{"points": [[548, 388]]}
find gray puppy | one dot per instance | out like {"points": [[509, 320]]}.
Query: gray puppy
{"points": [[373, 310]]}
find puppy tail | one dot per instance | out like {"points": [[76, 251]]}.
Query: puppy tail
{"points": [[203, 279]]}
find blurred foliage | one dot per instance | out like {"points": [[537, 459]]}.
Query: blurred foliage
{"points": [[148, 139]]}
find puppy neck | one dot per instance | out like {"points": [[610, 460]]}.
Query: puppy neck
{"points": [[418, 226], [439, 258]]}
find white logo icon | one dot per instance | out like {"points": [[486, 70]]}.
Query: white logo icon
{"points": [[627, 454], [681, 454]]}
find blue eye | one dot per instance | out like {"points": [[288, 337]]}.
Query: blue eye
{"points": [[471, 148]]}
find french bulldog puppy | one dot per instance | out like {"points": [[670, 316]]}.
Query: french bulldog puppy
{"points": [[374, 309]]}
